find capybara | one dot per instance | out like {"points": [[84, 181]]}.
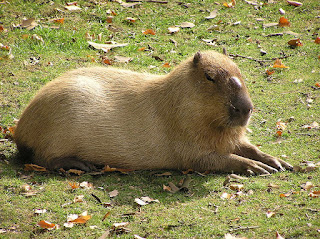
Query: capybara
{"points": [[195, 117]]}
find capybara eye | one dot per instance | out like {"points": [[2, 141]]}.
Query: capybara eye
{"points": [[209, 78]]}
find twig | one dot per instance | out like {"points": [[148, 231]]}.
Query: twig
{"points": [[152, 1], [243, 228], [261, 62]]}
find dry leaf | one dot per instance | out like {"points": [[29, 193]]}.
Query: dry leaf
{"points": [[106, 47], [126, 5], [188, 171], [37, 38], [25, 188], [78, 198], [278, 64], [307, 185], [271, 185], [74, 185], [294, 3], [39, 211], [269, 72], [283, 22], [34, 167], [270, 214], [59, 20], [29, 24], [75, 171], [187, 25], [121, 170], [71, 3], [314, 125], [166, 65], [106, 60], [113, 193], [284, 195], [109, 19], [213, 14], [46, 225], [278, 236], [149, 31], [314, 194], [121, 224], [141, 49], [86, 185], [105, 216], [295, 42], [72, 8], [140, 202], [130, 19], [227, 196], [122, 59], [173, 30], [317, 40], [163, 174], [236, 187], [79, 219]]}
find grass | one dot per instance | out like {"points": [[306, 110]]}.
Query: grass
{"points": [[191, 214]]}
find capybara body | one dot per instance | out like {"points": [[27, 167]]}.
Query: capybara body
{"points": [[194, 117]]}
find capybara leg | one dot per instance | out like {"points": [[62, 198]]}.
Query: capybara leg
{"points": [[250, 151], [71, 163], [231, 163]]}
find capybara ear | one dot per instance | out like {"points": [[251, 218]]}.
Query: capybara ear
{"points": [[196, 58]]}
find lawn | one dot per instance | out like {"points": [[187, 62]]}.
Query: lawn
{"points": [[41, 39]]}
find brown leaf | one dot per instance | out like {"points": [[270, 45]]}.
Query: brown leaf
{"points": [[106, 47], [173, 30], [283, 22], [271, 185], [295, 42], [236, 187], [307, 185], [105, 216], [294, 3], [76, 171], [59, 20], [122, 59], [72, 8], [314, 194], [130, 19], [270, 214], [317, 40], [163, 174], [187, 25], [109, 19], [278, 64], [46, 225], [150, 32], [34, 167], [213, 14], [167, 65], [113, 193], [127, 5], [29, 24], [188, 171], [74, 185], [278, 236]]}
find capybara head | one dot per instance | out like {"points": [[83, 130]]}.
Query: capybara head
{"points": [[222, 90]]}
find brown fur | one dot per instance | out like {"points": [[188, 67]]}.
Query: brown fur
{"points": [[124, 119]]}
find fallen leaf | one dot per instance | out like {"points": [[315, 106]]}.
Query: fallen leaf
{"points": [[269, 72], [317, 84], [80, 219], [122, 59], [59, 20], [126, 5], [226, 195], [236, 187], [278, 64], [111, 12], [149, 200], [121, 170], [317, 40], [284, 195], [109, 19], [37, 38], [75, 171], [25, 187], [282, 12], [283, 22], [106, 47], [314, 194], [130, 19], [78, 198], [138, 237], [141, 49], [278, 236], [271, 185], [72, 8], [86, 185], [106, 60], [39, 211], [270, 214], [29, 24], [34, 167], [307, 185], [150, 32], [140, 202], [120, 224], [164, 174], [166, 65], [213, 14], [230, 5], [187, 25], [46, 225], [230, 236], [294, 3], [313, 125], [74, 185], [113, 193], [173, 30], [106, 215], [295, 42], [188, 171], [72, 3]]}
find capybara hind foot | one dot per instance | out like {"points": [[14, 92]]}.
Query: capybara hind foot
{"points": [[72, 163]]}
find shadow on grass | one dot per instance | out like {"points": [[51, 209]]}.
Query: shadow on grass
{"points": [[132, 185]]}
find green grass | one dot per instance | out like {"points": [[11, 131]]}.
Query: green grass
{"points": [[182, 215]]}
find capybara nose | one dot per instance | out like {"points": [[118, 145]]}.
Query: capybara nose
{"points": [[240, 111]]}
